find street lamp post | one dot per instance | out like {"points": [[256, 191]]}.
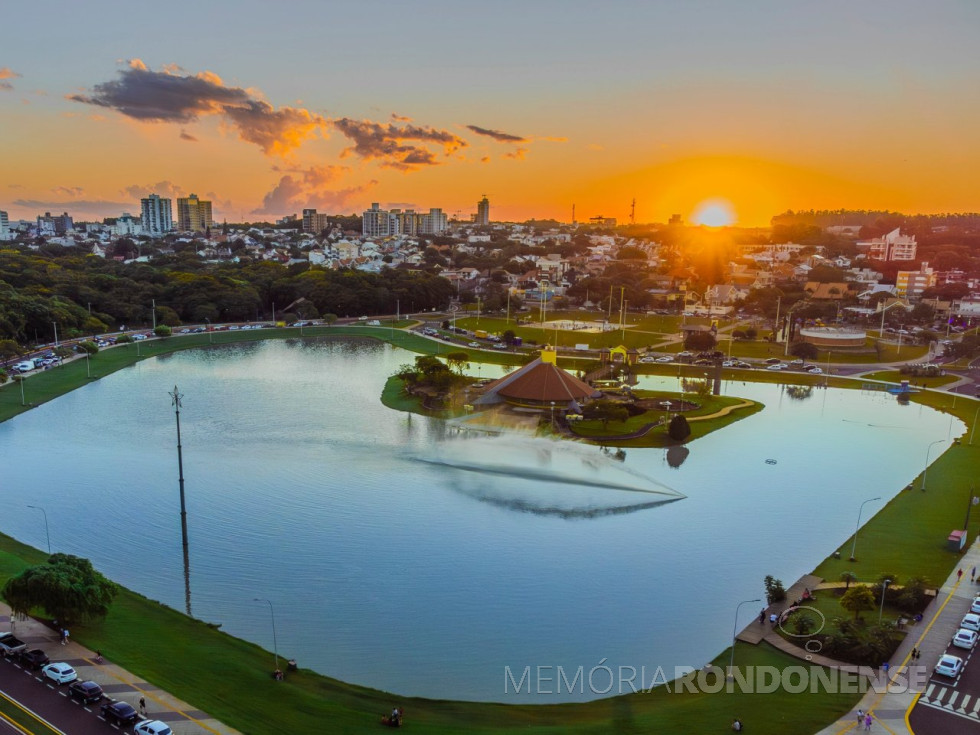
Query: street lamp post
{"points": [[858, 526], [974, 429], [47, 534], [56, 342], [884, 587], [275, 644], [925, 470], [88, 367], [731, 663], [210, 335]]}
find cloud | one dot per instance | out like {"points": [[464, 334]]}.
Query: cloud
{"points": [[184, 135], [517, 155], [164, 189], [400, 118], [173, 96], [7, 73], [553, 138], [69, 191], [389, 143], [485, 159], [98, 207], [498, 135], [292, 194]]}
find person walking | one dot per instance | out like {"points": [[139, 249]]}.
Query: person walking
{"points": [[860, 717], [868, 719], [142, 705], [973, 574], [762, 616], [959, 574]]}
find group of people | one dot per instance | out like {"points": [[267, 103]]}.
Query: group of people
{"points": [[278, 675], [864, 718], [395, 718]]}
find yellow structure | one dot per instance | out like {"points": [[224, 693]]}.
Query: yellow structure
{"points": [[618, 354], [549, 355]]}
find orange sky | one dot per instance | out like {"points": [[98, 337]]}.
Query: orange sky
{"points": [[762, 105]]}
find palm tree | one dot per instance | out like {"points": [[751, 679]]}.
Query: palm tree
{"points": [[847, 578]]}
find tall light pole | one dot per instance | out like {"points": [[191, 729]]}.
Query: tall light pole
{"points": [[858, 526], [884, 587], [210, 335], [176, 396], [731, 663], [974, 429], [154, 313], [275, 644], [925, 470], [56, 342], [46, 533], [88, 366]]}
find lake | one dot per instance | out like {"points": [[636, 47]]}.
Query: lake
{"points": [[402, 554]]}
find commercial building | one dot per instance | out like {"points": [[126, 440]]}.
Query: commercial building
{"points": [[193, 214], [156, 215], [483, 211], [57, 225]]}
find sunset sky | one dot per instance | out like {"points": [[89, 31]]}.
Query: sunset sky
{"points": [[269, 107]]}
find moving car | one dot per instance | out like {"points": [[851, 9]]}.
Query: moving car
{"points": [[965, 638], [119, 713], [59, 673], [152, 727], [773, 361], [949, 665], [474, 344], [85, 692], [665, 358], [777, 366], [814, 371]]}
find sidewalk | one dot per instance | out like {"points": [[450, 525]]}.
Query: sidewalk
{"points": [[889, 708], [114, 680]]}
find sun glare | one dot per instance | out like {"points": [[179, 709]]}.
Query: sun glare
{"points": [[714, 213]]}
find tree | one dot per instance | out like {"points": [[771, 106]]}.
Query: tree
{"points": [[804, 350], [775, 592], [509, 336], [847, 578], [802, 623], [9, 349], [858, 599], [66, 587], [162, 330], [605, 411], [458, 361], [88, 347], [699, 341], [679, 429]]}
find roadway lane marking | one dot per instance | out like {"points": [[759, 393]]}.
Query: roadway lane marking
{"points": [[965, 702], [942, 708], [930, 689], [952, 700], [32, 713]]}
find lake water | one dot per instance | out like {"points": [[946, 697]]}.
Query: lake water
{"points": [[401, 554]]}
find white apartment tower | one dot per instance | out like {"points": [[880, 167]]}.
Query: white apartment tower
{"points": [[377, 222], [483, 211], [4, 225], [156, 216], [434, 222]]}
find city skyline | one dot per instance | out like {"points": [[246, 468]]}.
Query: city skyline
{"points": [[705, 109]]}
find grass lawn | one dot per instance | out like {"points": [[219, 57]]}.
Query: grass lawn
{"points": [[657, 437], [894, 376], [231, 680]]}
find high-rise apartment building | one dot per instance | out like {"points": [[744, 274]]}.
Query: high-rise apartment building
{"points": [[156, 216], [483, 211], [4, 225], [193, 214], [893, 246], [377, 222], [314, 222], [57, 225], [434, 222]]}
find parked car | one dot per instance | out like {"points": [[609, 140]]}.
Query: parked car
{"points": [[119, 713], [814, 371], [59, 673], [33, 659], [152, 727], [665, 358], [965, 638], [970, 621], [773, 361], [949, 665], [729, 363], [685, 353], [777, 366], [975, 607], [85, 692], [474, 344]]}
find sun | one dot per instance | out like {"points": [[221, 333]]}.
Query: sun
{"points": [[714, 213]]}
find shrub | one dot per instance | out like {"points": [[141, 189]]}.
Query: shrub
{"points": [[162, 330], [775, 592], [679, 429]]}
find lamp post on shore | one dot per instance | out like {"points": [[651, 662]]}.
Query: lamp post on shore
{"points": [[858, 526], [884, 587], [925, 469], [974, 429], [275, 644], [46, 533], [731, 662]]}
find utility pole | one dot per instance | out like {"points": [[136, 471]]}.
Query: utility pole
{"points": [[56, 343], [633, 212], [154, 313]]}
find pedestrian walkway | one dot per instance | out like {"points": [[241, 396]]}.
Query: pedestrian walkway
{"points": [[117, 683], [889, 708]]}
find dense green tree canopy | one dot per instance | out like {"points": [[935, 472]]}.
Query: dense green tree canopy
{"points": [[66, 587]]}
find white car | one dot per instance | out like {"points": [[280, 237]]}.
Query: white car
{"points": [[685, 353], [729, 363], [949, 665], [970, 621], [815, 371], [964, 638], [474, 344], [776, 367], [59, 673], [975, 607], [647, 359], [152, 727], [665, 358]]}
